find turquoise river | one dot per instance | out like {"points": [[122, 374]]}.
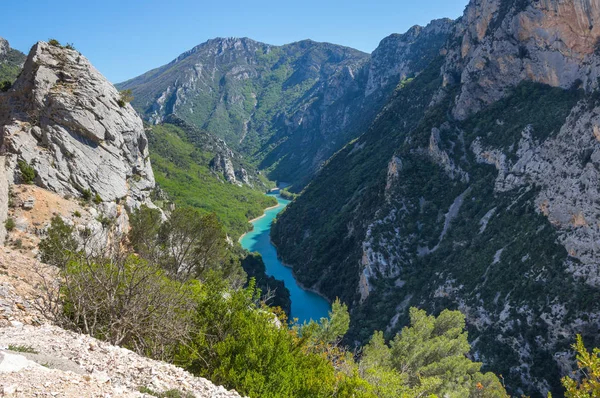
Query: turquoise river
{"points": [[306, 305]]}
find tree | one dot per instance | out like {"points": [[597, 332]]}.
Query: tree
{"points": [[427, 357], [589, 367], [59, 245], [187, 245]]}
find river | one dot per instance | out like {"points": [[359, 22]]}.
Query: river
{"points": [[306, 305]]}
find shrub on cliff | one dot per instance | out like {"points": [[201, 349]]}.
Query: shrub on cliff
{"points": [[589, 366], [59, 245], [27, 172]]}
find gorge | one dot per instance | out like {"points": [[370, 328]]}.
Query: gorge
{"points": [[455, 168], [306, 305]]}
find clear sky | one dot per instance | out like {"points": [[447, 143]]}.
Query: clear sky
{"points": [[125, 38]]}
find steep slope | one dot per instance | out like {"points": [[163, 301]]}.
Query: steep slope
{"points": [[475, 188], [198, 170], [11, 62], [289, 108]]}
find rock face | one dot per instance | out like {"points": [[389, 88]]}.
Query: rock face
{"points": [[63, 118], [503, 42], [475, 188], [290, 107]]}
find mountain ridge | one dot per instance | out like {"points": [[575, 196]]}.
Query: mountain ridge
{"points": [[281, 105]]}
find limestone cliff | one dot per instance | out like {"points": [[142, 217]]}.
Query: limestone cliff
{"points": [[63, 118], [499, 43]]}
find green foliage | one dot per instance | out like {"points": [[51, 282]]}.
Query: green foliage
{"points": [[54, 42], [10, 67], [59, 245], [125, 97], [254, 267], [240, 345], [182, 170], [10, 224], [428, 357], [5, 85], [588, 386], [97, 199], [86, 195], [22, 348], [187, 245], [28, 173]]}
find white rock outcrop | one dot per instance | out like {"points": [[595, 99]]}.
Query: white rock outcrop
{"points": [[64, 119]]}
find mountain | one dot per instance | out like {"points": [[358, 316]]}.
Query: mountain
{"points": [[288, 108], [475, 188], [11, 61]]}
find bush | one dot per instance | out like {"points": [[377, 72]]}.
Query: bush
{"points": [[59, 245], [54, 42], [125, 301], [9, 224], [86, 195], [589, 365], [27, 172], [97, 199], [5, 86], [125, 97]]}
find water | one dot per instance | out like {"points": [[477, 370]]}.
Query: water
{"points": [[306, 305]]}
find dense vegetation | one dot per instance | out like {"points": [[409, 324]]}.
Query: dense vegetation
{"points": [[183, 171], [202, 319], [440, 269]]}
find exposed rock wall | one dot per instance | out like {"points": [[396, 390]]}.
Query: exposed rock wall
{"points": [[4, 192], [63, 118], [499, 43]]}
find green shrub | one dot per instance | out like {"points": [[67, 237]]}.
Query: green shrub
{"points": [[9, 224], [27, 172], [59, 245], [54, 42], [5, 86], [70, 46], [76, 213], [125, 97], [86, 195], [97, 199]]}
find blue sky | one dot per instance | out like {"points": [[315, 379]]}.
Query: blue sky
{"points": [[124, 38]]}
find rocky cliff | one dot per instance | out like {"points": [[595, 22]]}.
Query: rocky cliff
{"points": [[287, 107], [473, 189], [63, 118]]}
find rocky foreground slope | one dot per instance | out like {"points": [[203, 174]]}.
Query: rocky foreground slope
{"points": [[69, 147], [39, 359], [475, 188]]}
